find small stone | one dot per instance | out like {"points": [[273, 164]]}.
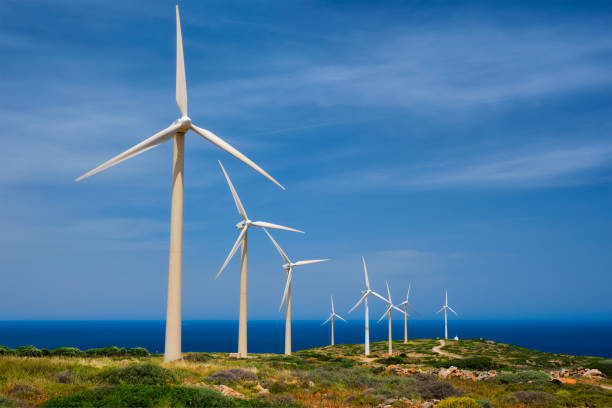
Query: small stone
{"points": [[593, 373], [228, 392], [311, 384]]}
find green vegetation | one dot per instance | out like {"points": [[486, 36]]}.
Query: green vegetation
{"points": [[488, 375]]}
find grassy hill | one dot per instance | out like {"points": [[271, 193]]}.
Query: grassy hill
{"points": [[473, 373]]}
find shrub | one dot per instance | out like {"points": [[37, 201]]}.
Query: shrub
{"points": [[28, 351], [522, 377], [111, 351], [475, 363], [139, 352], [45, 352], [458, 402], [143, 396], [430, 387], [531, 397], [233, 375], [10, 402], [143, 374], [197, 357], [6, 351], [67, 351]]}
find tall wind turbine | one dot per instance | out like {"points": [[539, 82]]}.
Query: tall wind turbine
{"points": [[367, 292], [406, 304], [388, 313], [331, 318], [243, 226], [288, 267], [445, 308], [177, 131]]}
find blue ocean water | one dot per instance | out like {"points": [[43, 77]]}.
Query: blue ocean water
{"points": [[579, 338]]}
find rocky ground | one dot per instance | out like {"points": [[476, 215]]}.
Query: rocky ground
{"points": [[422, 373]]}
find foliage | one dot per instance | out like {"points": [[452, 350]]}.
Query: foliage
{"points": [[67, 351], [471, 363], [10, 402], [533, 397], [521, 377], [430, 387], [139, 352], [143, 396], [605, 366], [6, 351], [111, 351], [28, 351], [233, 375], [458, 402], [143, 374]]}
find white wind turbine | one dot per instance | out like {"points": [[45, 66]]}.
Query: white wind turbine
{"points": [[331, 318], [406, 304], [388, 313], [367, 292], [288, 267], [176, 131], [243, 226], [445, 308]]}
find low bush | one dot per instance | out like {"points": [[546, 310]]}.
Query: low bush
{"points": [[138, 352], [458, 402], [533, 397], [111, 351], [430, 387], [233, 375], [144, 396], [521, 377], [28, 351], [10, 402], [605, 366], [197, 357], [143, 374], [472, 363], [67, 351], [6, 351]]}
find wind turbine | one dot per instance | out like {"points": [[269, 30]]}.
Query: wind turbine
{"points": [[331, 318], [243, 226], [445, 308], [177, 131], [388, 313], [288, 267], [406, 304], [364, 298]]}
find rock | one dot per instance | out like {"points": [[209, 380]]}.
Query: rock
{"points": [[228, 392], [390, 401], [311, 384], [428, 404], [401, 371], [369, 391], [64, 377], [261, 390], [22, 390], [349, 399], [379, 397], [593, 373]]}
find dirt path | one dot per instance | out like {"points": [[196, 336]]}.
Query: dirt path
{"points": [[437, 350]]}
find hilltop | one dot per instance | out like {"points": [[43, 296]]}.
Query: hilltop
{"points": [[422, 373]]}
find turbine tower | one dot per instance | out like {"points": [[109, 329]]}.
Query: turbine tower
{"points": [[406, 304], [445, 308], [331, 318], [288, 267], [177, 131], [243, 226], [388, 313], [367, 292]]}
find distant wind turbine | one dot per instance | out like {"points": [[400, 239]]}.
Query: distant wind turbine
{"points": [[288, 267], [177, 131], [367, 292], [243, 226], [406, 304], [445, 308], [388, 314], [331, 319]]}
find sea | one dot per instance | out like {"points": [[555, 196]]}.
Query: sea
{"points": [[592, 338]]}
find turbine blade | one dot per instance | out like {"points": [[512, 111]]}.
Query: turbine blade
{"points": [[239, 206], [287, 286], [141, 147], [332, 302], [341, 318], [408, 293], [398, 309], [181, 86], [300, 263], [384, 314], [379, 296], [217, 141], [451, 309], [365, 271], [328, 319], [264, 224], [410, 306], [358, 303], [278, 248], [233, 251], [388, 291], [440, 310]]}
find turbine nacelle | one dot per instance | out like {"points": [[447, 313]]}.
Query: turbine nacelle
{"points": [[184, 122], [242, 224]]}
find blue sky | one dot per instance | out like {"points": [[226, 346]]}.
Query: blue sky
{"points": [[455, 145]]}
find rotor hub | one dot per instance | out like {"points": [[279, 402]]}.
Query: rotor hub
{"points": [[242, 224], [185, 123]]}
